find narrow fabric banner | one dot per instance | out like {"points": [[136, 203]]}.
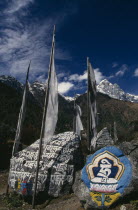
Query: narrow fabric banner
{"points": [[52, 105], [93, 108], [79, 126], [21, 116]]}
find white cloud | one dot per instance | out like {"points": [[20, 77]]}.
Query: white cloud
{"points": [[136, 73], [83, 76], [17, 47], [73, 77], [77, 77], [22, 41], [114, 64], [111, 76], [42, 79], [64, 87], [98, 75], [16, 5], [61, 75], [122, 70]]}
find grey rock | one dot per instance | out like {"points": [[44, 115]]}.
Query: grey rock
{"points": [[130, 150], [103, 139], [122, 207], [82, 192]]}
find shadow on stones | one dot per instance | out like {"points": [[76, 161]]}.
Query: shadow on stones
{"points": [[127, 199]]}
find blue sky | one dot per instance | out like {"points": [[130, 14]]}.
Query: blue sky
{"points": [[105, 31]]}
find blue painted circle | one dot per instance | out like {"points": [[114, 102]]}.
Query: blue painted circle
{"points": [[125, 179]]}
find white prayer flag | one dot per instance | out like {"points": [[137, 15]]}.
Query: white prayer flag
{"points": [[51, 103], [115, 133], [79, 126]]}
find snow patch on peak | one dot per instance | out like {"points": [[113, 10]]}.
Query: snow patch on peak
{"points": [[38, 85], [104, 81], [67, 98], [37, 88], [114, 91]]}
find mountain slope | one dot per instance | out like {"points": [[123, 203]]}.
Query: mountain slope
{"points": [[11, 99], [124, 113], [9, 110]]}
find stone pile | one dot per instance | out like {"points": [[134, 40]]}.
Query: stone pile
{"points": [[103, 139]]}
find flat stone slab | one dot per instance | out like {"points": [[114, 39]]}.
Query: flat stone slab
{"points": [[57, 166]]}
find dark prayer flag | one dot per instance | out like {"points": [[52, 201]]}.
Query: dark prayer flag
{"points": [[91, 106]]}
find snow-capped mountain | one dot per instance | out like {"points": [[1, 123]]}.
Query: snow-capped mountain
{"points": [[114, 91], [37, 89], [68, 98]]}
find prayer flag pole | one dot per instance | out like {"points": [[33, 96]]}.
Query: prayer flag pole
{"points": [[88, 106], [44, 117], [74, 117]]}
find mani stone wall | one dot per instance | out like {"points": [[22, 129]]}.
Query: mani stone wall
{"points": [[103, 139], [60, 158]]}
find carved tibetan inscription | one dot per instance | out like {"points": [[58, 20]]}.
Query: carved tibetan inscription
{"points": [[107, 173]]}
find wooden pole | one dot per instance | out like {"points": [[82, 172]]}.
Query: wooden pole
{"points": [[88, 107], [28, 72], [43, 120]]}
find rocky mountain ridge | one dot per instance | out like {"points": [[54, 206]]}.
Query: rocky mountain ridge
{"points": [[37, 89], [11, 97], [114, 91], [12, 82]]}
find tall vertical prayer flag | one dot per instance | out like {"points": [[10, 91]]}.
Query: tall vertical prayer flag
{"points": [[78, 123], [51, 99], [91, 106], [115, 133], [50, 112], [21, 116]]}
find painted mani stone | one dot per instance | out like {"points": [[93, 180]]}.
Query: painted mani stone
{"points": [[107, 173], [24, 187]]}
